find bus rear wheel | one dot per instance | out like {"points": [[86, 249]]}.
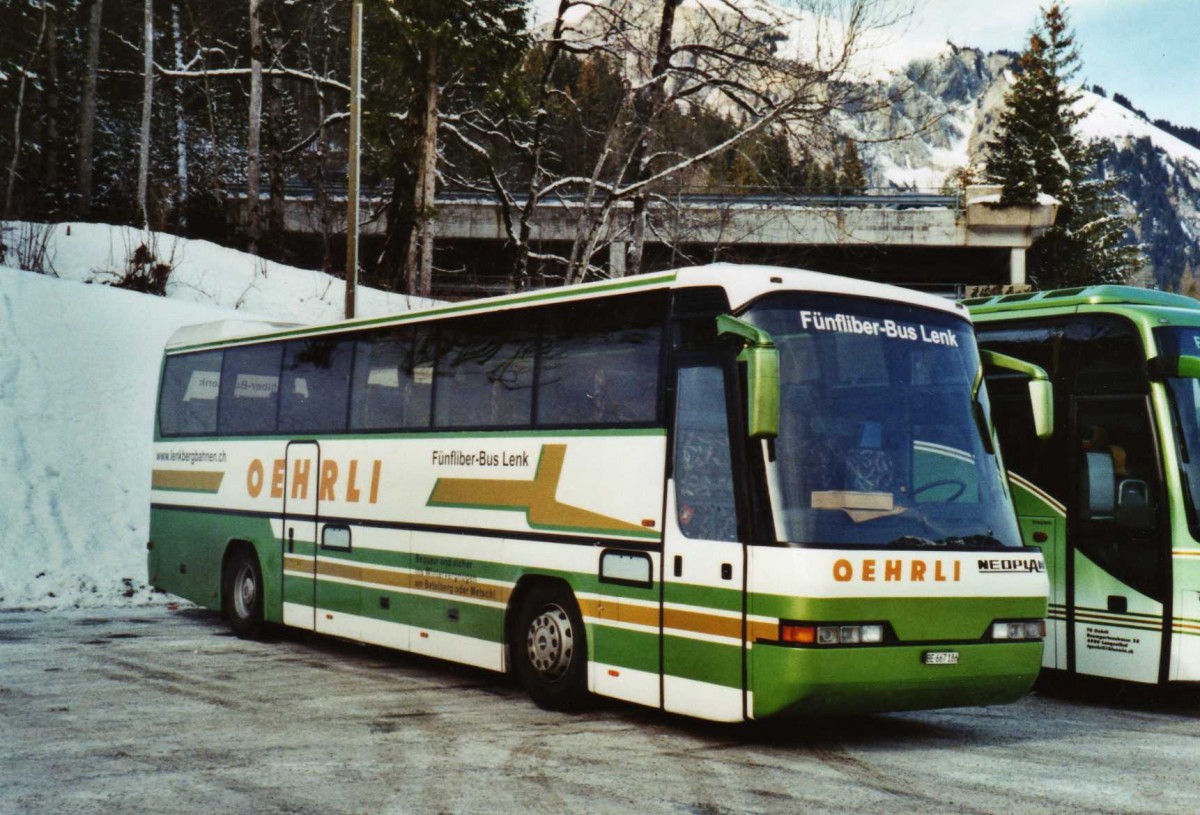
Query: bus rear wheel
{"points": [[242, 593], [549, 647]]}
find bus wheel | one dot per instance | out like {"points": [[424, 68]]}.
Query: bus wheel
{"points": [[243, 593], [550, 648]]}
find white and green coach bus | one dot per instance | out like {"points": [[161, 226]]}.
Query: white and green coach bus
{"points": [[730, 492], [1113, 496]]}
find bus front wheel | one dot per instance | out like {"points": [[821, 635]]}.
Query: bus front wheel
{"points": [[550, 648], [243, 593]]}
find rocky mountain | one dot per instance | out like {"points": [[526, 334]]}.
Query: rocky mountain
{"points": [[946, 110]]}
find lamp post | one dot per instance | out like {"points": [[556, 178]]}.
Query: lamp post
{"points": [[354, 172]]}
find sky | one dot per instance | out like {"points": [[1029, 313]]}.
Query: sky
{"points": [[1144, 49]]}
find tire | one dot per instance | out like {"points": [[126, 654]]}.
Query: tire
{"points": [[242, 593], [549, 646]]}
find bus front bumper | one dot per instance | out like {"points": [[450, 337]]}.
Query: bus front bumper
{"points": [[800, 681]]}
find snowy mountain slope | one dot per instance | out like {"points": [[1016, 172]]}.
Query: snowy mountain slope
{"points": [[78, 375], [945, 108], [952, 104]]}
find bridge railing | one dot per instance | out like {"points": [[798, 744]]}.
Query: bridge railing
{"points": [[715, 198]]}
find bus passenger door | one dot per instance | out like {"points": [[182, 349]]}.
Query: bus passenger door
{"points": [[1118, 551], [302, 463], [703, 609]]}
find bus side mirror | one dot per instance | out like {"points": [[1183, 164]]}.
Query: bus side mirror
{"points": [[1041, 391], [761, 358], [1041, 395], [1180, 367]]}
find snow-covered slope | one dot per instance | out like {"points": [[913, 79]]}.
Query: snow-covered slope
{"points": [[78, 373], [206, 273]]}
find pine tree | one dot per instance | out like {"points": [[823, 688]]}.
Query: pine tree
{"points": [[852, 180], [1038, 149]]}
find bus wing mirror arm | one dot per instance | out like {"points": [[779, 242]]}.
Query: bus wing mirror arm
{"points": [[1181, 367], [762, 375], [1041, 391]]}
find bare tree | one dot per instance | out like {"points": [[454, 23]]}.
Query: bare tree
{"points": [[181, 132], [418, 267], [20, 110], [87, 110], [254, 132], [147, 112], [763, 68]]}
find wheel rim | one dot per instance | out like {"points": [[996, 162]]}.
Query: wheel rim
{"points": [[551, 642], [245, 591]]}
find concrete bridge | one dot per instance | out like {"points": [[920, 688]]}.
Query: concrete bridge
{"points": [[936, 242]]}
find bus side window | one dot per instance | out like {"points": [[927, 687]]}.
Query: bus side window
{"points": [[316, 379], [703, 472], [1118, 491], [485, 373], [188, 404], [593, 373], [393, 381], [249, 389]]}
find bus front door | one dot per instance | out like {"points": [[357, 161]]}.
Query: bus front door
{"points": [[1117, 550], [703, 610], [302, 463]]}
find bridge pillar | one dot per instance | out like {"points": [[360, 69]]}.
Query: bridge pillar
{"points": [[1016, 267], [616, 258]]}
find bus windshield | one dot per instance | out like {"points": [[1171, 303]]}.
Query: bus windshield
{"points": [[878, 444]]}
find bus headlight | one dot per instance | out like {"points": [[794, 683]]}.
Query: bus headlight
{"points": [[1019, 630], [809, 634]]}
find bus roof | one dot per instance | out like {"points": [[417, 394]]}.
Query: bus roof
{"points": [[742, 284], [1080, 296], [222, 330]]}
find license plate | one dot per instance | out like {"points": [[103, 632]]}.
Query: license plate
{"points": [[941, 657]]}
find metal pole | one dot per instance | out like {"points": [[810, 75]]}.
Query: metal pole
{"points": [[355, 138]]}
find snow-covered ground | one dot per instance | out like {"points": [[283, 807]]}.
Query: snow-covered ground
{"points": [[78, 374]]}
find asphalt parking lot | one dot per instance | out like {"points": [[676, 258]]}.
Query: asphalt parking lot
{"points": [[157, 710]]}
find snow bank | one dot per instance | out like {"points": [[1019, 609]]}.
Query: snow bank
{"points": [[78, 374], [204, 272]]}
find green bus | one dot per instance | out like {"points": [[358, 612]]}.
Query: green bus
{"points": [[1112, 496], [732, 492]]}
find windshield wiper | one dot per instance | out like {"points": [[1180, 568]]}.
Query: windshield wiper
{"points": [[976, 542], [912, 542], [949, 542]]}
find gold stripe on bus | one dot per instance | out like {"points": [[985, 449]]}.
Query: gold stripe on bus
{"points": [[693, 622], [1185, 553], [699, 622], [537, 498], [1134, 615], [1119, 622], [187, 480], [612, 610], [467, 588]]}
